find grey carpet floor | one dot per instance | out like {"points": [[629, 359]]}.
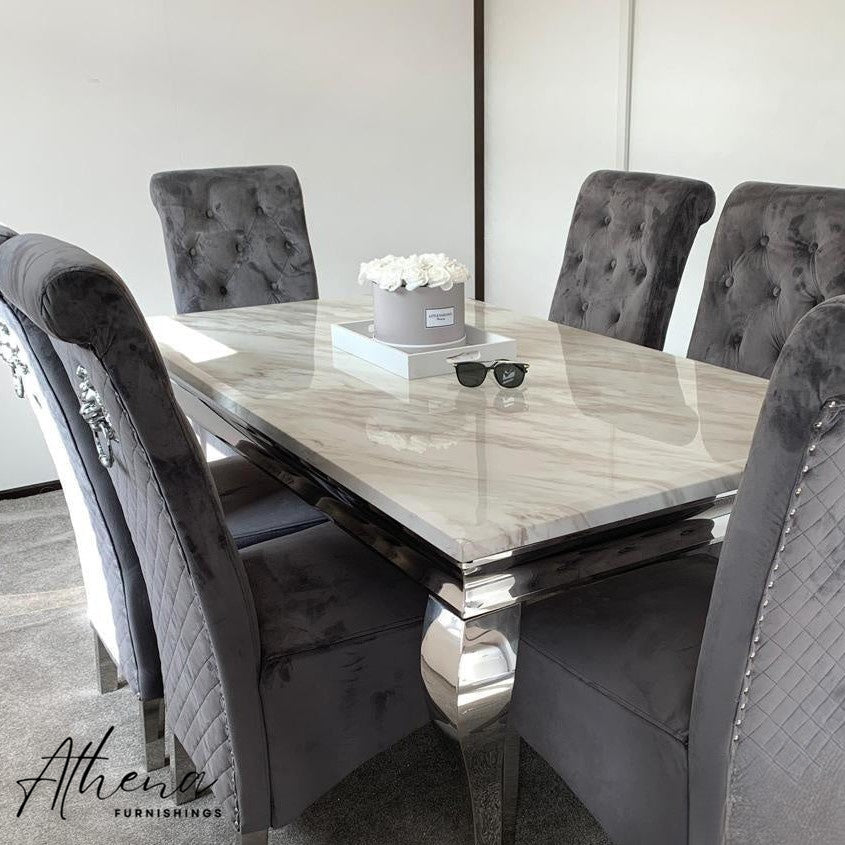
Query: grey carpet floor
{"points": [[412, 794]]}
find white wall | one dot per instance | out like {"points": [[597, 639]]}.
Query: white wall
{"points": [[724, 91], [551, 102], [728, 92], [371, 102]]}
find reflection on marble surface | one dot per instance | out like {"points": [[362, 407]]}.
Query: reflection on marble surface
{"points": [[602, 430], [657, 379]]}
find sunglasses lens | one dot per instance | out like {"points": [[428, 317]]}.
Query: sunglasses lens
{"points": [[470, 373], [509, 375]]}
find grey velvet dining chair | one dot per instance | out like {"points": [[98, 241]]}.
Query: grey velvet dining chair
{"points": [[256, 507], [699, 700], [778, 251], [234, 236], [628, 243], [285, 665]]}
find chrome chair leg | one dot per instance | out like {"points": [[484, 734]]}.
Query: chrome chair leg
{"points": [[107, 672], [152, 730], [259, 837], [183, 774]]}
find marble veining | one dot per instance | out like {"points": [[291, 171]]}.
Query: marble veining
{"points": [[601, 431]]}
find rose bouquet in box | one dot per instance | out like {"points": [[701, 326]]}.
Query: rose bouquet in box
{"points": [[418, 300]]}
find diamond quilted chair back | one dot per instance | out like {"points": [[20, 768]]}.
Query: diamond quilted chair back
{"points": [[203, 613], [234, 236], [767, 736], [118, 606]]}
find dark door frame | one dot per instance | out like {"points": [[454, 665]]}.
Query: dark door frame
{"points": [[478, 132]]}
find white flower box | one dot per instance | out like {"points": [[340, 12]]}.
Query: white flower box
{"points": [[424, 318], [418, 300]]}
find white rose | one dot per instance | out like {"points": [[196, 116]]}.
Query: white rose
{"points": [[364, 273], [413, 272], [436, 272], [438, 276], [458, 272], [390, 276]]}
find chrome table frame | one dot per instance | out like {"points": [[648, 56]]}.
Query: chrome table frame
{"points": [[471, 631]]}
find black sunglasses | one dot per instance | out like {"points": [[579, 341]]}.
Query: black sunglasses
{"points": [[473, 373]]}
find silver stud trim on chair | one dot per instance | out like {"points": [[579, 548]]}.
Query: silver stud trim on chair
{"points": [[830, 410]]}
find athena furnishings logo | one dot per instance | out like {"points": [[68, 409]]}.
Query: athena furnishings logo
{"points": [[67, 776]]}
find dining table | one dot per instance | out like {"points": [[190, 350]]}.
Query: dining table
{"points": [[609, 456]]}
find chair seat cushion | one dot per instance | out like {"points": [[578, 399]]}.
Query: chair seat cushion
{"points": [[256, 505], [340, 631], [321, 587], [604, 690]]}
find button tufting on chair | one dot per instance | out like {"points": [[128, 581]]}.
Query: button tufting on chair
{"points": [[260, 209], [676, 208], [729, 281], [794, 217], [193, 250], [584, 306]]}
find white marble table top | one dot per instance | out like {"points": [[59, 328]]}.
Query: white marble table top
{"points": [[601, 431]]}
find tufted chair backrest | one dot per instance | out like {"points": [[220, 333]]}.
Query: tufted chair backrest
{"points": [[202, 609], [778, 251], [628, 243], [234, 236], [767, 735]]}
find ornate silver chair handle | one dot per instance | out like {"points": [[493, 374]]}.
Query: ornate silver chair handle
{"points": [[11, 355], [93, 412]]}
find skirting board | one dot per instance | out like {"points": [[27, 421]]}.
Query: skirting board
{"points": [[30, 490]]}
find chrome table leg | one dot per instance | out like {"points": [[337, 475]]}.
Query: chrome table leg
{"points": [[468, 669]]}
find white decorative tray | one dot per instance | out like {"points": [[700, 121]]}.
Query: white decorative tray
{"points": [[357, 339]]}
